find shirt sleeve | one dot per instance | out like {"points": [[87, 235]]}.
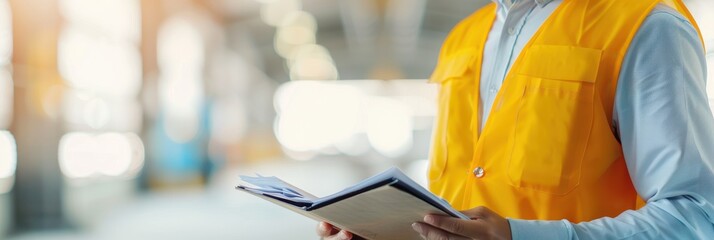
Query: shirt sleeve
{"points": [[666, 128]]}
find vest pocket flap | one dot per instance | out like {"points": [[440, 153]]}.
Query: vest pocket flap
{"points": [[562, 63], [453, 66]]}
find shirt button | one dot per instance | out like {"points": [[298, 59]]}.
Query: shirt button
{"points": [[492, 90], [479, 172], [512, 30]]}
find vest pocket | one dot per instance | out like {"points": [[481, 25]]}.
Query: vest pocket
{"points": [[451, 138], [554, 118]]}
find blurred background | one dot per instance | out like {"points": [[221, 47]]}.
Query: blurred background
{"points": [[132, 119]]}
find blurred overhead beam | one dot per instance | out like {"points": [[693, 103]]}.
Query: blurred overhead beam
{"points": [[404, 19], [360, 19]]}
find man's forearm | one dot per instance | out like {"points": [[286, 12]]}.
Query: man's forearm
{"points": [[671, 218]]}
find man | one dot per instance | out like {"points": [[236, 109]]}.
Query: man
{"points": [[573, 119]]}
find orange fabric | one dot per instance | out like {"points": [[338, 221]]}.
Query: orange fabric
{"points": [[547, 149]]}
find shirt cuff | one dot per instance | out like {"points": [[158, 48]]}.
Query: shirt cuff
{"points": [[538, 229]]}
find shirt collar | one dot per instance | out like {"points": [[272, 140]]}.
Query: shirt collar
{"points": [[508, 3]]}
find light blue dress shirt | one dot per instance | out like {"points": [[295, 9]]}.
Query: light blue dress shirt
{"points": [[661, 116]]}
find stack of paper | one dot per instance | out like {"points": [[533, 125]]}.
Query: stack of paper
{"points": [[278, 189], [381, 207]]}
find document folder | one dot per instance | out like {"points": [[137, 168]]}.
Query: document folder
{"points": [[381, 207]]}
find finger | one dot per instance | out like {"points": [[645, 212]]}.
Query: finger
{"points": [[342, 235], [325, 229], [329, 232], [478, 212], [432, 233], [454, 225]]}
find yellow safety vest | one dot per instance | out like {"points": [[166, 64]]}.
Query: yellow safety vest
{"points": [[548, 150]]}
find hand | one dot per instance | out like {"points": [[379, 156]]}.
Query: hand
{"points": [[329, 232], [484, 224]]}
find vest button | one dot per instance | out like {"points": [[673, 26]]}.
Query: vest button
{"points": [[479, 172], [512, 30]]}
